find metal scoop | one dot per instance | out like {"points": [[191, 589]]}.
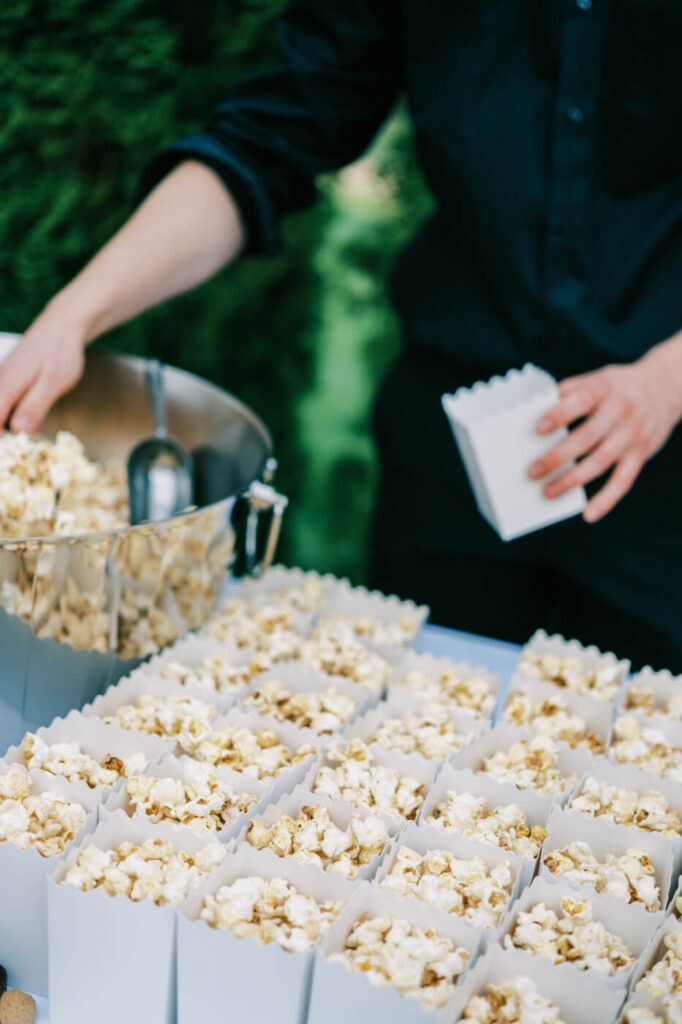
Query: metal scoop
{"points": [[159, 469]]}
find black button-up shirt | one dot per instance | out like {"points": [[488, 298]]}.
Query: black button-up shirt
{"points": [[550, 132]]}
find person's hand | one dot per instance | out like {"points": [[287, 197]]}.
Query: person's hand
{"points": [[630, 412], [46, 363]]}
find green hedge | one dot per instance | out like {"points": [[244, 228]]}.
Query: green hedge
{"points": [[88, 91]]}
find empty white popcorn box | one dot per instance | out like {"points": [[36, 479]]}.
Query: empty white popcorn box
{"points": [[91, 933], [581, 722], [632, 925], [467, 687], [654, 697], [568, 664], [340, 814], [221, 975], [603, 839], [23, 889], [192, 812], [501, 873], [55, 750], [494, 426], [507, 813], [578, 998], [384, 622]]}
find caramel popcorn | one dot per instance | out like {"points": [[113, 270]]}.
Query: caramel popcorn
{"points": [[663, 979], [266, 628], [214, 674], [467, 888], [645, 1015], [337, 651], [323, 712], [356, 778], [529, 764], [183, 718], [270, 910], [601, 682], [468, 693], [313, 838], [429, 731], [201, 800], [630, 876], [258, 753], [43, 822], [649, 810], [634, 743], [418, 963], [69, 760], [506, 826], [572, 936], [391, 633], [552, 717], [641, 699], [153, 870], [514, 1001]]}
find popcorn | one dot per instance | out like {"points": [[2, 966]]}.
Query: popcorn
{"points": [[322, 712], [417, 962], [392, 633], [528, 764], [361, 782], [337, 651], [429, 731], [201, 800], [69, 760], [43, 822], [258, 753], [468, 693], [572, 936], [214, 674], [663, 979], [634, 743], [266, 628], [601, 682], [514, 1001], [645, 1015], [179, 718], [467, 888], [649, 810], [154, 870], [506, 827], [270, 910], [313, 838], [642, 700], [630, 876], [552, 717]]}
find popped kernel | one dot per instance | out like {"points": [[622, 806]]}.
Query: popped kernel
{"points": [[552, 717], [323, 712], [171, 718], [200, 800], [641, 699], [355, 776], [313, 838], [214, 674], [634, 743], [649, 810], [645, 1015], [429, 731], [266, 628], [601, 682], [532, 763], [390, 633], [70, 761], [258, 753], [338, 652], [270, 910], [467, 693], [630, 876], [664, 978], [43, 822], [514, 1001], [505, 826]]}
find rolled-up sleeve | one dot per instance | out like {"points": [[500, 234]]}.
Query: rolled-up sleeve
{"points": [[315, 112]]}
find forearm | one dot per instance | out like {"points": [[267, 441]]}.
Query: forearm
{"points": [[183, 233], [665, 363]]}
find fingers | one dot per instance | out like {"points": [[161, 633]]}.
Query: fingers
{"points": [[16, 375], [581, 440], [577, 402], [38, 399], [594, 465], [617, 486]]}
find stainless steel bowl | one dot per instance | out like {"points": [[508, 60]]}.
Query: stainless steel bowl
{"points": [[76, 612]]}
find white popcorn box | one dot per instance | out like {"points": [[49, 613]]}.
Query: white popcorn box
{"points": [[388, 611], [664, 685], [276, 582], [502, 736], [597, 715], [653, 951], [590, 657], [633, 924], [494, 427], [92, 932], [339, 811], [397, 706], [434, 668], [95, 739], [425, 838], [536, 806], [220, 975], [339, 995], [565, 827], [300, 678], [170, 767], [579, 999], [669, 732], [23, 892]]}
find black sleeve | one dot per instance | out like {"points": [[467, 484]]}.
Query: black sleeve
{"points": [[315, 112]]}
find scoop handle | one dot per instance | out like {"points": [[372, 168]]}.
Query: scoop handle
{"points": [[157, 396]]}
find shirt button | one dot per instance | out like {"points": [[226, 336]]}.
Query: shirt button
{"points": [[575, 114], [583, 5]]}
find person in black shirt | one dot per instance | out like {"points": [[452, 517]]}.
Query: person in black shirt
{"points": [[549, 134]]}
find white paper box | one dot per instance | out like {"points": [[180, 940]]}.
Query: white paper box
{"points": [[494, 426], [387, 610], [435, 668], [590, 657], [339, 811], [654, 951], [664, 684], [222, 977], [580, 999], [113, 960], [424, 838], [566, 827], [278, 580], [633, 924], [597, 715], [23, 892]]}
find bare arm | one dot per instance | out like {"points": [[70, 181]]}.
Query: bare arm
{"points": [[183, 233]]}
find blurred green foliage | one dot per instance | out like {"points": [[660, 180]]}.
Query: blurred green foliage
{"points": [[88, 92]]}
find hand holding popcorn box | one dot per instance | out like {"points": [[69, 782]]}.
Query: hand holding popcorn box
{"points": [[457, 685], [569, 665]]}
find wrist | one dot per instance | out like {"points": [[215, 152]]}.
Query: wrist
{"points": [[665, 362], [73, 309]]}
